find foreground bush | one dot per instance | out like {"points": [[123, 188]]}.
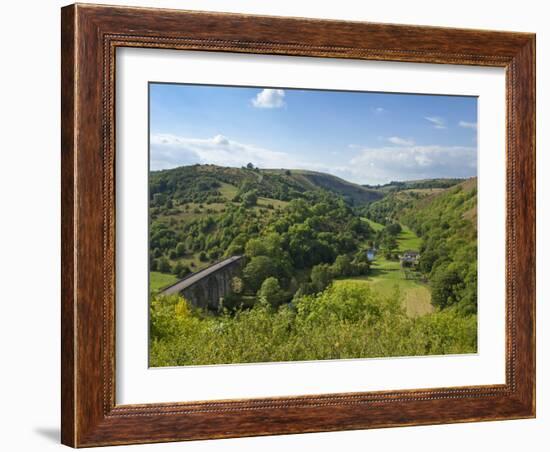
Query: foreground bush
{"points": [[344, 321]]}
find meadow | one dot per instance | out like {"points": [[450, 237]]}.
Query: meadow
{"points": [[387, 277]]}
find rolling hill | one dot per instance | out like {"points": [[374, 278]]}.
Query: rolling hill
{"points": [[311, 180], [203, 183], [455, 203], [419, 184]]}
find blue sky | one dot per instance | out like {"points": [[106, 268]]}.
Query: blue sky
{"points": [[367, 138]]}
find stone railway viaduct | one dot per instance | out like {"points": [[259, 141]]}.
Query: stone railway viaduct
{"points": [[206, 288]]}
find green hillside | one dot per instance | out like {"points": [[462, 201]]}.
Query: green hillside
{"points": [[353, 193], [447, 224], [211, 183], [202, 213], [441, 224], [386, 276], [308, 288], [419, 184]]}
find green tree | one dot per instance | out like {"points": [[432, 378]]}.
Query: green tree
{"points": [[342, 266], [427, 259], [159, 199], [234, 249], [389, 244], [270, 291], [321, 276], [257, 270], [256, 247], [180, 249], [250, 198], [181, 270], [164, 265], [446, 286], [393, 229]]}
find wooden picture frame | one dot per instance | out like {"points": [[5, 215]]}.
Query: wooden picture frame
{"points": [[90, 36]]}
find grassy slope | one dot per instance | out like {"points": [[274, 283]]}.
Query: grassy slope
{"points": [[417, 185], [158, 281], [373, 224], [386, 276], [408, 240], [357, 193], [228, 191], [307, 180], [300, 180]]}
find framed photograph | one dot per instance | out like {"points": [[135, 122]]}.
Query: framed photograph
{"points": [[281, 225]]}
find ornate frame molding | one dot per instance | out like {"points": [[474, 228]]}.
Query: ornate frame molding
{"points": [[90, 36]]}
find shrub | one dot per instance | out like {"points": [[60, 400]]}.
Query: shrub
{"points": [[271, 292], [249, 199], [446, 284], [257, 270], [345, 321], [180, 249], [393, 229], [181, 270], [321, 276], [164, 265], [342, 266]]}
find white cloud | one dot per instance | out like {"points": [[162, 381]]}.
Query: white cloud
{"points": [[269, 98], [384, 164], [401, 141], [468, 125], [437, 122], [379, 110], [170, 151], [367, 165]]}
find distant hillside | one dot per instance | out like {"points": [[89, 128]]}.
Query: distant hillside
{"points": [[400, 196], [354, 193], [211, 183], [447, 223], [458, 203], [416, 184]]}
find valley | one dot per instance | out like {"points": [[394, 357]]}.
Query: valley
{"points": [[313, 245]]}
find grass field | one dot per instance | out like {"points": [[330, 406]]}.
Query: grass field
{"points": [[373, 224], [228, 191], [274, 202], [408, 240], [158, 281], [386, 276]]}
